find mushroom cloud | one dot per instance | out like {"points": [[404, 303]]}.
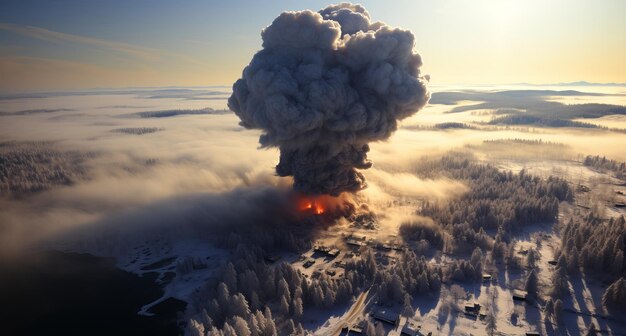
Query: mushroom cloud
{"points": [[324, 85]]}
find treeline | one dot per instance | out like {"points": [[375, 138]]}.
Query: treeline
{"points": [[453, 125], [27, 167], [602, 163], [173, 113], [594, 245], [501, 202], [541, 121], [536, 142], [524, 149], [137, 130]]}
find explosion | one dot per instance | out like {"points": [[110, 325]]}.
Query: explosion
{"points": [[311, 205], [323, 205], [324, 85]]}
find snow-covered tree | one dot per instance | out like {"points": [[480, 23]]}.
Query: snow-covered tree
{"points": [[194, 328], [240, 327], [615, 295], [531, 283], [284, 305], [558, 311], [407, 309]]}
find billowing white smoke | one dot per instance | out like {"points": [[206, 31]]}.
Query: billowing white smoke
{"points": [[324, 85]]}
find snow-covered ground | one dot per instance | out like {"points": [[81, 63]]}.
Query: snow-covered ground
{"points": [[182, 268]]}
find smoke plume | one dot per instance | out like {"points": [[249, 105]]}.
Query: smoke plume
{"points": [[324, 85]]}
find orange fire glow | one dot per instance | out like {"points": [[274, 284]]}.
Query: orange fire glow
{"points": [[325, 206], [311, 204]]}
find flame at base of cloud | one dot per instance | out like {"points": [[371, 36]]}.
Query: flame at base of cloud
{"points": [[326, 206]]}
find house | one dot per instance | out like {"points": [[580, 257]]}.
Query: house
{"points": [[321, 249], [355, 329], [472, 309], [519, 295], [308, 263], [486, 277], [354, 242], [339, 264], [387, 317], [411, 328], [532, 333], [332, 253], [357, 237]]}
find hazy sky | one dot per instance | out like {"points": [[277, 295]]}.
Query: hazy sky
{"points": [[58, 45]]}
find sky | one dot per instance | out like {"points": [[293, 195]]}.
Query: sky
{"points": [[67, 45]]}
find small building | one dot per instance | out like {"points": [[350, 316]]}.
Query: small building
{"points": [[486, 277], [552, 262], [387, 317], [339, 264], [519, 295], [332, 253], [532, 333], [355, 329], [354, 242], [321, 249], [411, 328], [308, 263], [620, 205], [472, 309], [357, 237]]}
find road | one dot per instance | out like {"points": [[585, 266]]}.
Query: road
{"points": [[348, 319]]}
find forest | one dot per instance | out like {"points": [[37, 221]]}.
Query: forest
{"points": [[497, 204], [618, 169], [28, 167]]}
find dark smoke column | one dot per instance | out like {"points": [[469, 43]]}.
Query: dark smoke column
{"points": [[324, 85]]}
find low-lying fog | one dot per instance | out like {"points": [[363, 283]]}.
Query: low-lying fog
{"points": [[71, 160]]}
